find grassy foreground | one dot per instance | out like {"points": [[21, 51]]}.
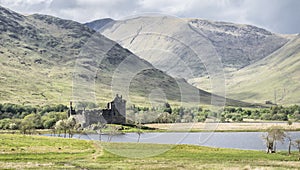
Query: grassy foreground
{"points": [[38, 152]]}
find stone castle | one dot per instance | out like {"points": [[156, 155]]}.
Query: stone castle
{"points": [[115, 113]]}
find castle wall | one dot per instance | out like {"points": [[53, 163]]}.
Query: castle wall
{"points": [[111, 116], [88, 117], [114, 114]]}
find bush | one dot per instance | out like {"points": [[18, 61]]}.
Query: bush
{"points": [[237, 118], [13, 126], [4, 124]]}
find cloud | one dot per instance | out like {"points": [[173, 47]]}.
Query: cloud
{"points": [[26, 6], [280, 16], [277, 15]]}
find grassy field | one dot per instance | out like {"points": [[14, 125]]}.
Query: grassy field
{"points": [[37, 152]]}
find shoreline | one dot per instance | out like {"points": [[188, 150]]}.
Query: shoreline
{"points": [[223, 127], [192, 127]]}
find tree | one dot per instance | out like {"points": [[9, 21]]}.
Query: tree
{"points": [[13, 126], [296, 143], [139, 131], [30, 122], [165, 118], [49, 123], [67, 125], [273, 135], [4, 123], [98, 128], [289, 138], [70, 125], [61, 126], [237, 118], [167, 108], [113, 130], [50, 118]]}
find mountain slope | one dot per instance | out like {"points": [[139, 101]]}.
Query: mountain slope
{"points": [[46, 60], [275, 78], [98, 24], [164, 42], [258, 65]]}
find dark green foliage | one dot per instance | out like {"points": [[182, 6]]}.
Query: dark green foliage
{"points": [[168, 108], [54, 108], [279, 113], [229, 114], [4, 123], [49, 119], [31, 122], [27, 118], [9, 110], [237, 118]]}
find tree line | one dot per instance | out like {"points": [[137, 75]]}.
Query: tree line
{"points": [[166, 114], [10, 110], [27, 118], [13, 116]]}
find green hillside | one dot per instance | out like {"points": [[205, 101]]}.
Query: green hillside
{"points": [[276, 77], [47, 60]]}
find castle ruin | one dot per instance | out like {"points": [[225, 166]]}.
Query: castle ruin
{"points": [[115, 113]]}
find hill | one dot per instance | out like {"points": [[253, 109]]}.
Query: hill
{"points": [[48, 60], [176, 45], [275, 78], [98, 24], [166, 42]]}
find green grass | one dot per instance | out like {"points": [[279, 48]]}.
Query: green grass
{"points": [[35, 152], [38, 152], [279, 72]]}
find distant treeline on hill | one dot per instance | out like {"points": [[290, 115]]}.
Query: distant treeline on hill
{"points": [[290, 113], [9, 110], [199, 114]]}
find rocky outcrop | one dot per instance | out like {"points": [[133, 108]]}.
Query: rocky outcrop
{"points": [[238, 45]]}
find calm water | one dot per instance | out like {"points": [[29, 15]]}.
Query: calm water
{"points": [[238, 140]]}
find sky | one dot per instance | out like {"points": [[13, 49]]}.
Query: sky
{"points": [[280, 16]]}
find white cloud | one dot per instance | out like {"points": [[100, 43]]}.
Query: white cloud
{"points": [[276, 15]]}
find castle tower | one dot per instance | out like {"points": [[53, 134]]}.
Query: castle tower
{"points": [[116, 111], [71, 110], [118, 105]]}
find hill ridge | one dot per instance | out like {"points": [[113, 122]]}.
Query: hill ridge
{"points": [[38, 65]]}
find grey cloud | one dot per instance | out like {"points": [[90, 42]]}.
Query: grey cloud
{"points": [[60, 5], [84, 10], [280, 16]]}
